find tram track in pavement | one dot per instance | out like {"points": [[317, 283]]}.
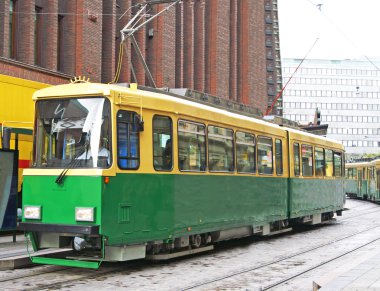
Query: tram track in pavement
{"points": [[284, 259], [66, 280], [68, 277]]}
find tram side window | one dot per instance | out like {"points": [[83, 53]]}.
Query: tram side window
{"points": [[245, 152], [220, 149], [296, 151], [319, 162], [354, 173], [265, 155], [337, 164], [329, 163], [191, 146], [279, 167], [162, 143], [128, 140], [307, 160]]}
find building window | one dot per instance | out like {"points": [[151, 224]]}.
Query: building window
{"points": [[12, 29], [60, 43], [162, 143], [37, 35]]}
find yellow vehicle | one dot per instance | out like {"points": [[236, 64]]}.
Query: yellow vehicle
{"points": [[16, 122], [17, 114]]}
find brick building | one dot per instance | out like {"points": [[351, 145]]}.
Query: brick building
{"points": [[227, 48]]}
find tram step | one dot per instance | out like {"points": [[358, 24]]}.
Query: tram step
{"points": [[162, 257]]}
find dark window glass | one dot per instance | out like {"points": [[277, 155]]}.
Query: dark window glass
{"points": [[37, 35], [319, 162], [162, 143], [220, 149], [296, 153], [12, 29], [279, 166], [245, 152], [60, 43], [191, 146], [128, 140], [265, 155], [307, 160]]}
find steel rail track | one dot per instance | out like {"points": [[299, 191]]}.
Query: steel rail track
{"points": [[282, 281], [89, 274], [250, 269]]}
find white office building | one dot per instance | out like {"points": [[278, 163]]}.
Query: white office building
{"points": [[347, 92]]}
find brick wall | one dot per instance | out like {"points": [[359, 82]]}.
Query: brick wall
{"points": [[34, 73], [4, 27], [207, 45], [108, 41], [257, 55]]}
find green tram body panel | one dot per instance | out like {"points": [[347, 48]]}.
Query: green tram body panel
{"points": [[162, 206], [311, 196], [351, 187], [142, 207], [58, 202], [363, 189]]}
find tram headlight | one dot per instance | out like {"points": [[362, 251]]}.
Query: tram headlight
{"points": [[84, 214], [32, 212]]}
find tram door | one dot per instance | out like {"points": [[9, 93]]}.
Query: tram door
{"points": [[360, 182], [377, 195]]}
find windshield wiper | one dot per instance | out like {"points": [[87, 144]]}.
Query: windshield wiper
{"points": [[72, 163]]}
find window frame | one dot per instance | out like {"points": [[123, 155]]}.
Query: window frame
{"points": [[307, 146], [294, 159], [282, 157], [153, 144], [205, 145], [233, 149], [117, 142], [257, 155], [254, 152]]}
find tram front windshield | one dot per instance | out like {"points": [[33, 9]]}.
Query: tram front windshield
{"points": [[72, 133]]}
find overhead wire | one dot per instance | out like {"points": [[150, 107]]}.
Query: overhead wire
{"points": [[295, 71], [318, 6]]}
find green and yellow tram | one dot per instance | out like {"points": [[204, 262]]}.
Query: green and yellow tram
{"points": [[121, 173], [362, 180]]}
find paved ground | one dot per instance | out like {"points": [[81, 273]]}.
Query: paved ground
{"points": [[247, 264]]}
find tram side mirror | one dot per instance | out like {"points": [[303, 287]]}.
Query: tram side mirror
{"points": [[83, 139], [139, 122], [6, 138]]}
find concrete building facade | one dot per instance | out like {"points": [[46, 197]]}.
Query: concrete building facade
{"points": [[347, 93], [227, 48]]}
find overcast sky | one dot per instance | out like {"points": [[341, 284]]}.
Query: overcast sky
{"points": [[345, 29]]}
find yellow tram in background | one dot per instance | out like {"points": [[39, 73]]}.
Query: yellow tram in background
{"points": [[16, 126]]}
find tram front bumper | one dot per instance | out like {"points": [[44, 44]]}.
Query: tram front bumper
{"points": [[59, 228]]}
